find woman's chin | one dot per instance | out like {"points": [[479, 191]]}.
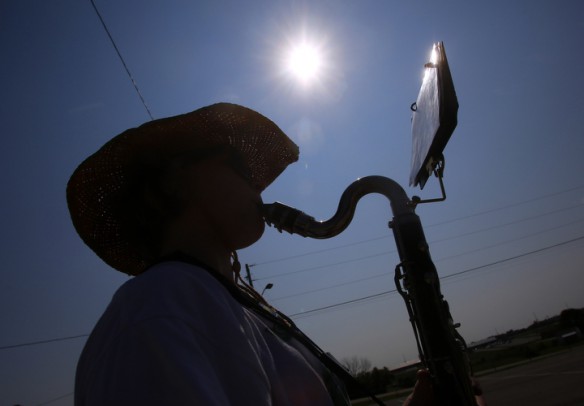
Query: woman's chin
{"points": [[252, 236]]}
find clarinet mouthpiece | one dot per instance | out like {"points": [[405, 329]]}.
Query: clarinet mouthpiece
{"points": [[285, 218]]}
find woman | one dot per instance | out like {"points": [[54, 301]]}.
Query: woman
{"points": [[171, 202]]}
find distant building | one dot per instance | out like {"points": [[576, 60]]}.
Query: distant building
{"points": [[484, 343]]}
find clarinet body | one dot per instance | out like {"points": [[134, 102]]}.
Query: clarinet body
{"points": [[441, 348]]}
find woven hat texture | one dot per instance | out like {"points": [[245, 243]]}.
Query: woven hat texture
{"points": [[98, 188]]}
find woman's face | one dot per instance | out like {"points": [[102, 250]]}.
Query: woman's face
{"points": [[218, 197]]}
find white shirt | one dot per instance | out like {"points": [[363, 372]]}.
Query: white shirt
{"points": [[176, 336]]}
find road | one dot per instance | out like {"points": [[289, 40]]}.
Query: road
{"points": [[556, 380]]}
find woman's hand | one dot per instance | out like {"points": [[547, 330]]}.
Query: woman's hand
{"points": [[423, 394]]}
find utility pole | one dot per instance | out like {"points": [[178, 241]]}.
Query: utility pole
{"points": [[248, 277]]}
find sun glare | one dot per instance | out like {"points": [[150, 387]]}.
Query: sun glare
{"points": [[304, 62]]}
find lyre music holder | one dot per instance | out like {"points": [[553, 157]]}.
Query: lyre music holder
{"points": [[433, 122]]}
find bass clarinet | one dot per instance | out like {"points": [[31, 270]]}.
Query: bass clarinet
{"points": [[441, 348]]}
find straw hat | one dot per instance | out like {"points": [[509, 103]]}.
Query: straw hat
{"points": [[99, 187]]}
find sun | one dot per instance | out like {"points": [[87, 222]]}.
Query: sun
{"points": [[304, 62]]}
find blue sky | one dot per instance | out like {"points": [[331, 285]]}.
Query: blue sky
{"points": [[512, 175]]}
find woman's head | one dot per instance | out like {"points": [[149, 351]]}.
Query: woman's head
{"points": [[140, 175]]}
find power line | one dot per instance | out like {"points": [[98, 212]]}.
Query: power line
{"points": [[466, 271], [6, 347], [330, 287], [537, 251], [430, 242], [361, 299], [343, 303], [321, 251], [506, 207], [509, 223], [327, 265], [55, 399], [511, 240], [425, 226], [122, 59], [436, 261]]}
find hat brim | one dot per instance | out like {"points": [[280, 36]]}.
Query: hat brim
{"points": [[95, 188]]}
